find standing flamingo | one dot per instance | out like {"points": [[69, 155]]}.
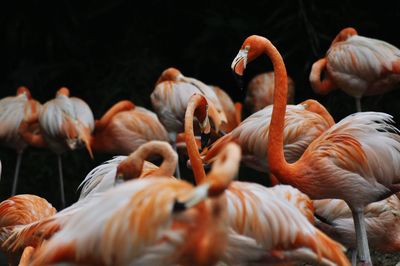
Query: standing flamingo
{"points": [[260, 91], [303, 123], [382, 220], [151, 221], [124, 127], [13, 110], [65, 124], [355, 160], [254, 208], [358, 65]]}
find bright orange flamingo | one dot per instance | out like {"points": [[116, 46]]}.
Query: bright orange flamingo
{"points": [[13, 110], [124, 127], [303, 123], [354, 160], [158, 221], [382, 221], [254, 208], [123, 168], [358, 65], [17, 211], [260, 91], [65, 124]]}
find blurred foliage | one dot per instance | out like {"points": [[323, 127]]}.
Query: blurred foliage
{"points": [[112, 50]]}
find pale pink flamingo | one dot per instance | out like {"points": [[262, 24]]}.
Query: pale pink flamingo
{"points": [[382, 221], [124, 127], [150, 221], [13, 110], [358, 65], [254, 210], [355, 160], [260, 91], [65, 124]]}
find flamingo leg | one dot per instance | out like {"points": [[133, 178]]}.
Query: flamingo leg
{"points": [[16, 174], [362, 240], [173, 136], [358, 104], [353, 257], [60, 174]]}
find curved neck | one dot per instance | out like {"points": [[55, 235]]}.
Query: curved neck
{"points": [[315, 107], [157, 148], [121, 106], [197, 102], [276, 159], [35, 140], [324, 86]]}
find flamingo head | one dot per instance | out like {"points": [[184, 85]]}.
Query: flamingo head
{"points": [[24, 90], [315, 107], [344, 34], [128, 169], [170, 74], [63, 91]]}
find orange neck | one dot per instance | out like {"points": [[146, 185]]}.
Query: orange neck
{"points": [[121, 106], [344, 34], [276, 159], [197, 102], [324, 86], [35, 140]]}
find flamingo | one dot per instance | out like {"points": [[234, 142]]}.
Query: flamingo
{"points": [[17, 211], [358, 65], [233, 111], [355, 160], [65, 124], [151, 221], [260, 91], [382, 220], [124, 127], [123, 168], [303, 123], [169, 100], [252, 208], [13, 110]]}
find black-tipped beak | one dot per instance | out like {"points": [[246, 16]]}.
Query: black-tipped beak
{"points": [[204, 139], [178, 206]]}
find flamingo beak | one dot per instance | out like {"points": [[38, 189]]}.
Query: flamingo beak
{"points": [[239, 65], [205, 133]]}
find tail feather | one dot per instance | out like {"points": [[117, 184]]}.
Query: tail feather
{"points": [[63, 253]]}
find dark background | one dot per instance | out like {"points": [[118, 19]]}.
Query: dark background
{"points": [[108, 51]]}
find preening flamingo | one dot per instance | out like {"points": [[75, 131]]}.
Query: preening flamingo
{"points": [[253, 211], [13, 110], [303, 123], [355, 160], [65, 124], [17, 211], [151, 221], [233, 111], [169, 100], [260, 91], [358, 65], [382, 220], [125, 168], [124, 127]]}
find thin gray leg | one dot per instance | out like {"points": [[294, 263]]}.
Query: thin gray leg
{"points": [[358, 104], [60, 174], [362, 240], [16, 174]]}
